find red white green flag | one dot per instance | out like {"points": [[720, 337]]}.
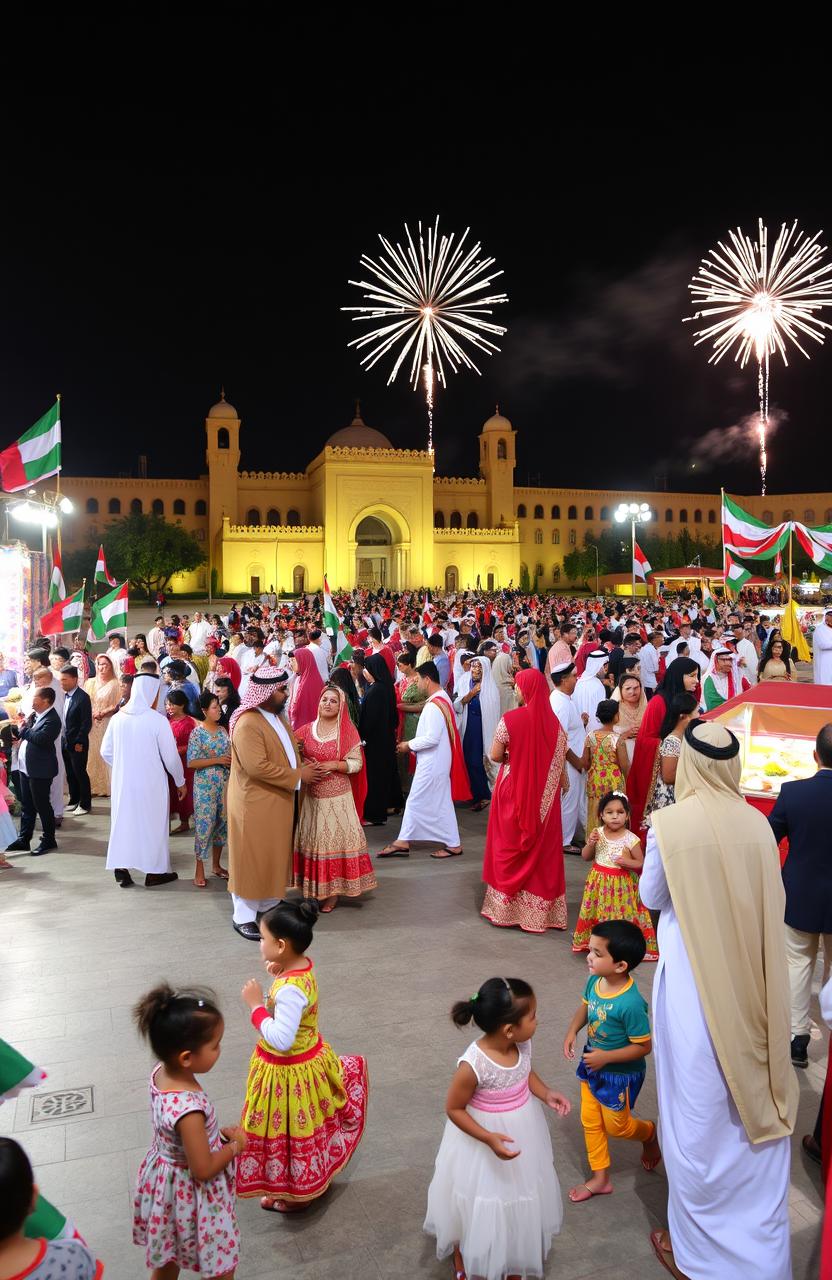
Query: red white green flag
{"points": [[342, 651], [641, 565], [102, 573], [778, 565], [736, 575], [744, 535], [36, 455], [109, 613], [65, 616], [817, 543], [57, 587]]}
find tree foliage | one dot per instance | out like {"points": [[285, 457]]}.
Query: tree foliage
{"points": [[145, 549]]}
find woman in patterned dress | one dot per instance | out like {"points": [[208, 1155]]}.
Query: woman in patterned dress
{"points": [[105, 694], [331, 857], [681, 712], [209, 757], [523, 866]]}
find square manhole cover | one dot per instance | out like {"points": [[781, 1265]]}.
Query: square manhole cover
{"points": [[62, 1103]]}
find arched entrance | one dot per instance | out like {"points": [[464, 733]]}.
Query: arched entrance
{"points": [[452, 579], [373, 552]]}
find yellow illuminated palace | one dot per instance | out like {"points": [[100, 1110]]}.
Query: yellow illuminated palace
{"points": [[364, 512]]}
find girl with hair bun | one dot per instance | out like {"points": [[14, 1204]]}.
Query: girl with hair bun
{"points": [[305, 1107], [494, 1201], [183, 1210]]}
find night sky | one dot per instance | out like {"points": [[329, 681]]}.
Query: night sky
{"points": [[149, 258]]}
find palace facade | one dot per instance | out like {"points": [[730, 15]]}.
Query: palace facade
{"points": [[364, 512]]}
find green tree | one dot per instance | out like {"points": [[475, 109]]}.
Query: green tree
{"points": [[78, 565], [148, 551]]}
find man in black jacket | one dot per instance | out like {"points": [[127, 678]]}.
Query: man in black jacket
{"points": [[76, 739], [38, 765], [802, 813]]}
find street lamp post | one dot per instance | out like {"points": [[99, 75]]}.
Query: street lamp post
{"points": [[45, 511], [636, 513]]}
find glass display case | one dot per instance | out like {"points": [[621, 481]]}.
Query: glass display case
{"points": [[777, 724]]}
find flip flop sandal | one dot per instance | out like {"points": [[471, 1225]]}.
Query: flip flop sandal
{"points": [[280, 1206], [590, 1194], [222, 874], [448, 853], [393, 851], [665, 1256], [650, 1165]]}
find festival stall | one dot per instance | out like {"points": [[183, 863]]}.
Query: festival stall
{"points": [[777, 724], [24, 594]]}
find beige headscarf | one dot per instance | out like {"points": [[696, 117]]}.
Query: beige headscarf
{"points": [[723, 871]]}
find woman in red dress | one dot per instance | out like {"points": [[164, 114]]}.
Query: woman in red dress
{"points": [[176, 706], [523, 867]]}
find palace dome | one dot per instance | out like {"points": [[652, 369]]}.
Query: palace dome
{"points": [[497, 423], [358, 436], [222, 409]]}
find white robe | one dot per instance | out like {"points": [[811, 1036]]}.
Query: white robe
{"points": [[589, 691], [573, 801], [822, 653], [429, 813], [141, 752], [728, 1210]]}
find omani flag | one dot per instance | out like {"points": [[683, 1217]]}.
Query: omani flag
{"points": [[736, 575], [65, 616], [109, 613], [744, 535], [817, 543], [57, 587], [36, 455], [332, 625], [641, 565], [102, 573]]}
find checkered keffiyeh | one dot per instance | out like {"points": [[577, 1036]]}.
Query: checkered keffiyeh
{"points": [[262, 684]]}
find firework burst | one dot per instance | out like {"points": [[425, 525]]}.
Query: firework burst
{"points": [[431, 295], [763, 303]]}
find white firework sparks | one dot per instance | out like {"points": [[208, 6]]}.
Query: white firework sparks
{"points": [[763, 304], [430, 300]]}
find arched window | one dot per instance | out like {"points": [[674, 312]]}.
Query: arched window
{"points": [[572, 513], [114, 507], [451, 577], [697, 516], [589, 514], [668, 516], [253, 516], [521, 511], [502, 452], [711, 517], [292, 517], [808, 516], [538, 512], [157, 507], [273, 516], [788, 515], [556, 512], [538, 537], [556, 573], [573, 537], [538, 571], [92, 506], [222, 438], [683, 516], [556, 537], [439, 519], [472, 522], [200, 507], [605, 513], [768, 517], [456, 520], [179, 506], [136, 506]]}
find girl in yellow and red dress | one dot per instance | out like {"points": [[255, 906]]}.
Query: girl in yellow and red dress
{"points": [[305, 1108], [611, 889]]}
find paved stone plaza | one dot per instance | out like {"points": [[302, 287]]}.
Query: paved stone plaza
{"points": [[76, 952]]}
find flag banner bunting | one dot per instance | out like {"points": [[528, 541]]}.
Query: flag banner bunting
{"points": [[817, 543], [109, 613], [736, 574], [102, 573], [744, 535], [36, 455], [641, 565], [65, 616]]}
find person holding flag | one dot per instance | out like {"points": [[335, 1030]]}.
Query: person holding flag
{"points": [[333, 626]]}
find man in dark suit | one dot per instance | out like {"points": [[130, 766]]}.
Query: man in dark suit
{"points": [[76, 739], [38, 765], [802, 813]]}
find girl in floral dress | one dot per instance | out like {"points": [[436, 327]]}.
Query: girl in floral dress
{"points": [[611, 889], [209, 759], [183, 1209], [605, 760], [305, 1108]]}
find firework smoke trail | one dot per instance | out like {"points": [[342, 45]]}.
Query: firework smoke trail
{"points": [[763, 304]]}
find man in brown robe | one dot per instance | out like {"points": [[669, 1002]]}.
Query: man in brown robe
{"points": [[266, 774]]}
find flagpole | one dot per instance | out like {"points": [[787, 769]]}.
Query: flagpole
{"points": [[58, 483], [791, 526], [633, 556]]}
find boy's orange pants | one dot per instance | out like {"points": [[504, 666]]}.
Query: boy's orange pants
{"points": [[600, 1123]]}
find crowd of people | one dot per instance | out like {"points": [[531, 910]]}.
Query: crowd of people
{"points": [[577, 725]]}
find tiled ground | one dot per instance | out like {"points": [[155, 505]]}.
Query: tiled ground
{"points": [[76, 951]]}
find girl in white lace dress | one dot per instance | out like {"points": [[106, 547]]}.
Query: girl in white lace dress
{"points": [[494, 1201]]}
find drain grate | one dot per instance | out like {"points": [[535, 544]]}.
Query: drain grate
{"points": [[61, 1103]]}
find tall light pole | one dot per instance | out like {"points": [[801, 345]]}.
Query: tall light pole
{"points": [[636, 513], [593, 547], [45, 511]]}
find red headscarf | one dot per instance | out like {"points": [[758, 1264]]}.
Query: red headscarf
{"points": [[230, 667], [306, 691], [533, 730], [349, 737]]}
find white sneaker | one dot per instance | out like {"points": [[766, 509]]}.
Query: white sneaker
{"points": [[79, 811]]}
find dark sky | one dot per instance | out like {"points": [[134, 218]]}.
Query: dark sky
{"points": [[146, 258]]}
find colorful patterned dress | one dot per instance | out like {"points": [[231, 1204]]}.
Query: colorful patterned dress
{"points": [[611, 893], [177, 1217], [663, 793], [305, 1110], [330, 846], [604, 773], [209, 786], [182, 730]]}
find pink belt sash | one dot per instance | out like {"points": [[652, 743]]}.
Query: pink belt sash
{"points": [[501, 1099]]}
